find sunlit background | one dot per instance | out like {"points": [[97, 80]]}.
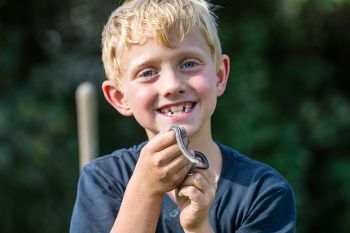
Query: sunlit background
{"points": [[287, 103]]}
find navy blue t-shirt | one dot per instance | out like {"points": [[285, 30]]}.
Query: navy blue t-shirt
{"points": [[251, 196]]}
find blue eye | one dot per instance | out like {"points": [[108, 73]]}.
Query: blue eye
{"points": [[190, 64], [147, 74]]}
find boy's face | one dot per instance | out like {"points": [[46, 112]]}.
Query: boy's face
{"points": [[164, 86]]}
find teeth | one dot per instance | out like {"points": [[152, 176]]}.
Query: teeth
{"points": [[171, 111], [174, 109], [187, 107]]}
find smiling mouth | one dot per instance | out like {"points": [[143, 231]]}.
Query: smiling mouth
{"points": [[177, 109]]}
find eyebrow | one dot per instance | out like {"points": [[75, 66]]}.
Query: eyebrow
{"points": [[191, 51]]}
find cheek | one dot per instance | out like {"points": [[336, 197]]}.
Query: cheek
{"points": [[206, 87], [140, 98], [205, 84]]}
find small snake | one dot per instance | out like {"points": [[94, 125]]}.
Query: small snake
{"points": [[198, 159]]}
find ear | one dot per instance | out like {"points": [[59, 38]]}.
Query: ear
{"points": [[116, 98], [223, 74]]}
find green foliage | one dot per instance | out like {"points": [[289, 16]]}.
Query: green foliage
{"points": [[287, 103]]}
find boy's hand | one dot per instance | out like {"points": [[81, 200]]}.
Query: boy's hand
{"points": [[161, 166], [194, 198]]}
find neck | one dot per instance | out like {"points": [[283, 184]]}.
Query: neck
{"points": [[209, 148]]}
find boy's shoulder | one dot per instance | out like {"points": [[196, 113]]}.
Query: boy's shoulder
{"points": [[251, 192], [120, 162], [242, 169]]}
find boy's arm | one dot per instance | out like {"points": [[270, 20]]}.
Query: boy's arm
{"points": [[104, 202], [139, 211], [161, 168]]}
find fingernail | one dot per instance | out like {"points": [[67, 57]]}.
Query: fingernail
{"points": [[196, 176]]}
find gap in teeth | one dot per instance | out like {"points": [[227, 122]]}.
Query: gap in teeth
{"points": [[173, 110]]}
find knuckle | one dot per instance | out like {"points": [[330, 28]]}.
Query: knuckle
{"points": [[176, 176], [163, 174], [159, 162]]}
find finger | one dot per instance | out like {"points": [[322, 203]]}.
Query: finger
{"points": [[172, 153], [189, 181], [177, 161], [162, 140], [208, 175], [173, 164], [190, 192], [194, 195], [182, 172], [200, 182]]}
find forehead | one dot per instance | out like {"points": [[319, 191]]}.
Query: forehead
{"points": [[193, 42]]}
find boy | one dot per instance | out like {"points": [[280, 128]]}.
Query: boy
{"points": [[164, 66]]}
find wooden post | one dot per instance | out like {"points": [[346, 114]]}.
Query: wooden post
{"points": [[86, 101]]}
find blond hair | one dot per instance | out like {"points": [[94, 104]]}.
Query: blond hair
{"points": [[128, 24]]}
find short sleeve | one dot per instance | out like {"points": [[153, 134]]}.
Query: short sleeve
{"points": [[97, 203], [273, 212]]}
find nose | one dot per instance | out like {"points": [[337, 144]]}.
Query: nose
{"points": [[172, 84]]}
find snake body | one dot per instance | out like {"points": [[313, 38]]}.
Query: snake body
{"points": [[197, 158]]}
